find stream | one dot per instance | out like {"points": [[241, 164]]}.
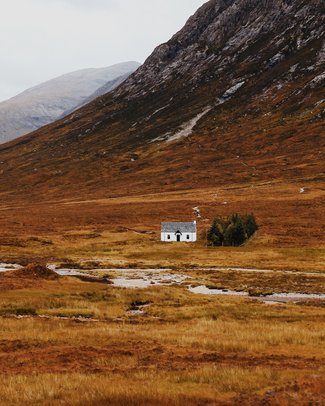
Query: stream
{"points": [[137, 278]]}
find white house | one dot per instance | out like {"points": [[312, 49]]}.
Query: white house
{"points": [[179, 232]]}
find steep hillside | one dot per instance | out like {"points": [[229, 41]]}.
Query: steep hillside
{"points": [[49, 101], [237, 96]]}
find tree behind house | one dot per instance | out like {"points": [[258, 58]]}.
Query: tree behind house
{"points": [[232, 232], [235, 234], [216, 233], [251, 225]]}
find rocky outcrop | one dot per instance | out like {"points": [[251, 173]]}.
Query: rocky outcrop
{"points": [[230, 37]]}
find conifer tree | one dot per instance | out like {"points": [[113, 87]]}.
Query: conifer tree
{"points": [[251, 225], [215, 234], [229, 235], [239, 233], [232, 232]]}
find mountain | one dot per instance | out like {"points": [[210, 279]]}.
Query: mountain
{"points": [[51, 100], [235, 97], [106, 88]]}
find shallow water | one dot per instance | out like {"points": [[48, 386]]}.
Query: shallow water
{"points": [[297, 296], [204, 290], [119, 270], [136, 312], [275, 298], [71, 272], [144, 278], [8, 267], [134, 278], [148, 280]]}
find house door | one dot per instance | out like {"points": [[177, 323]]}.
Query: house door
{"points": [[178, 238]]}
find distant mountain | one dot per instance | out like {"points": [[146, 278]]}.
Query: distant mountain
{"points": [[108, 87], [235, 97], [51, 100]]}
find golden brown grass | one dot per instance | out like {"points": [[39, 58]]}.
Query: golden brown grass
{"points": [[184, 388], [257, 284], [124, 231], [186, 350]]}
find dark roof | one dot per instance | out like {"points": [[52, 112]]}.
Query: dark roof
{"points": [[182, 227]]}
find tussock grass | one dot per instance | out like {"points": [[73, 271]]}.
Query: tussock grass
{"points": [[185, 350], [186, 388]]}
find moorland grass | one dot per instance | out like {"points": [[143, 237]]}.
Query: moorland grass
{"points": [[186, 350]]}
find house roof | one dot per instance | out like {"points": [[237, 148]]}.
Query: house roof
{"points": [[182, 227]]}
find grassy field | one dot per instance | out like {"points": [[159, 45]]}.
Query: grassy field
{"points": [[125, 231], [72, 343], [69, 342]]}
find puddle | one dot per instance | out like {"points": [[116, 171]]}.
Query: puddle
{"points": [[149, 280], [8, 267], [276, 298], [132, 278], [131, 283], [138, 310], [72, 272], [117, 270], [204, 290], [293, 297]]}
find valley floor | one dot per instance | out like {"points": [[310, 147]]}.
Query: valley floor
{"points": [[125, 231], [73, 342], [185, 349]]}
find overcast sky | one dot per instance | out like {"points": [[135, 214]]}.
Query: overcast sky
{"points": [[42, 39]]}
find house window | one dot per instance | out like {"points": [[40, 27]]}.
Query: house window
{"points": [[188, 236], [168, 237]]}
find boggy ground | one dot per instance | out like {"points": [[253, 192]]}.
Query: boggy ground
{"points": [[67, 342]]}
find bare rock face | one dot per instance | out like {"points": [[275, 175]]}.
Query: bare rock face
{"points": [[227, 38]]}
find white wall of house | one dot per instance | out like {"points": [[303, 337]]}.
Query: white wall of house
{"points": [[184, 237]]}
